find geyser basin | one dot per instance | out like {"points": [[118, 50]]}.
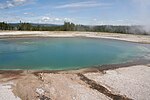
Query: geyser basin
{"points": [[66, 53]]}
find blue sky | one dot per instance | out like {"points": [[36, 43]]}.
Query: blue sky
{"points": [[88, 12]]}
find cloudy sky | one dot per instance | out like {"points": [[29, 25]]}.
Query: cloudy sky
{"points": [[88, 12]]}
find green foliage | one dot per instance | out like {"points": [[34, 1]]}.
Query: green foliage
{"points": [[72, 27], [68, 26], [5, 26], [25, 26]]}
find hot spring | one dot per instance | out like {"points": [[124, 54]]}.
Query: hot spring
{"points": [[66, 53]]}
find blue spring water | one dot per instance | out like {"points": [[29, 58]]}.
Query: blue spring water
{"points": [[66, 53]]}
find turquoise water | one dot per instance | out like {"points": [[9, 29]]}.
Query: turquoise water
{"points": [[66, 53]]}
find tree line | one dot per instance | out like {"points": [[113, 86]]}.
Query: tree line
{"points": [[68, 26]]}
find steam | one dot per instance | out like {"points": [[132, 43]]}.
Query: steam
{"points": [[143, 13]]}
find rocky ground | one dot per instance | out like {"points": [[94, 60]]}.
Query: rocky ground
{"points": [[125, 37], [112, 84]]}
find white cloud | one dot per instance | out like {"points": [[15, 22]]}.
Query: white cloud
{"points": [[13, 3], [68, 19], [45, 19], [83, 5], [94, 19], [25, 13], [29, 14], [58, 20]]}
